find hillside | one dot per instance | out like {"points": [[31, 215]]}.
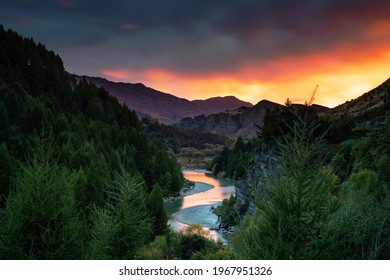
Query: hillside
{"points": [[215, 105], [367, 106], [314, 188], [241, 122], [78, 176], [244, 121], [167, 108]]}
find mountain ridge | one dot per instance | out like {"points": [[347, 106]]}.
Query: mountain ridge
{"points": [[217, 114], [240, 122], [167, 108], [220, 103], [244, 122], [368, 105]]}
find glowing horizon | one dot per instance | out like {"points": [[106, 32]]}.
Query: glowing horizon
{"points": [[253, 50], [343, 72], [334, 89]]}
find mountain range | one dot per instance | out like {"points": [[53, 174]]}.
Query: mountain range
{"points": [[167, 108], [228, 116], [242, 122]]}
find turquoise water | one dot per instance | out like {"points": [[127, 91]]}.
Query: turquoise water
{"points": [[196, 208]]}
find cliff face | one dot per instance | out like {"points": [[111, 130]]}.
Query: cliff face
{"points": [[240, 122], [243, 121], [224, 123], [262, 170]]}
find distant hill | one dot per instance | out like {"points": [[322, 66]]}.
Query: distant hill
{"points": [[219, 104], [167, 108], [240, 122], [243, 122]]}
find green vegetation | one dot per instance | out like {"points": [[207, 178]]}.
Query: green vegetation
{"points": [[227, 212], [288, 224], [156, 207], [78, 177], [192, 243], [192, 148], [233, 163], [176, 138], [40, 219], [322, 205]]}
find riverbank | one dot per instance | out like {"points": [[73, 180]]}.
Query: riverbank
{"points": [[192, 187], [196, 201], [197, 187]]}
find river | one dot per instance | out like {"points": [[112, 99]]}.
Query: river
{"points": [[196, 208]]}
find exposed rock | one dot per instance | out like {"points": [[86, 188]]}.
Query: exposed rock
{"points": [[261, 171], [240, 122]]}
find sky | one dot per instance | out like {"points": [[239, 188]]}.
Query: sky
{"points": [[196, 49]]}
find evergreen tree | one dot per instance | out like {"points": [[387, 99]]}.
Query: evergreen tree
{"points": [[165, 181], [123, 226], [289, 220], [57, 190], [6, 172], [157, 210], [359, 229], [40, 220], [176, 176]]}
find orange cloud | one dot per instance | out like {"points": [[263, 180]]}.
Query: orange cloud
{"points": [[342, 72]]}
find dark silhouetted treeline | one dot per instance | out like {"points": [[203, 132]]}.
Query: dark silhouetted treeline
{"points": [[78, 176]]}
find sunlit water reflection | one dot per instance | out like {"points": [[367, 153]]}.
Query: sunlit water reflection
{"points": [[196, 208]]}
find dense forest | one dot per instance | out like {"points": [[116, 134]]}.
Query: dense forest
{"points": [[80, 179], [176, 138], [191, 148], [329, 196], [78, 176], [233, 163]]}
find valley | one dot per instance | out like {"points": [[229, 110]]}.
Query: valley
{"points": [[89, 169], [166, 108]]}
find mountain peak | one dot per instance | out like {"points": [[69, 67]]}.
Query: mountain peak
{"points": [[265, 102], [218, 104], [167, 108]]}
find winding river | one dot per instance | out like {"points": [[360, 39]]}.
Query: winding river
{"points": [[196, 208]]}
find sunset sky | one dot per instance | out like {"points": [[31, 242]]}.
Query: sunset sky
{"points": [[253, 49]]}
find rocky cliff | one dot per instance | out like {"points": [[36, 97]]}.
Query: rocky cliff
{"points": [[240, 122], [261, 171]]}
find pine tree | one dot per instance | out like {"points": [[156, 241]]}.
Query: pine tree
{"points": [[6, 170], [289, 220], [123, 226], [40, 220], [157, 210]]}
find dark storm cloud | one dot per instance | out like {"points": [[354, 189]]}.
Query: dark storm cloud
{"points": [[16, 20], [188, 35]]}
